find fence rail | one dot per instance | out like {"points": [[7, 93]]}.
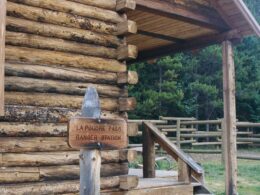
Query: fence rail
{"points": [[203, 136]]}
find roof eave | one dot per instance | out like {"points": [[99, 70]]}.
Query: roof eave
{"points": [[248, 16]]}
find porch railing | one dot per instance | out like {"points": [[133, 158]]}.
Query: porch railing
{"points": [[188, 169]]}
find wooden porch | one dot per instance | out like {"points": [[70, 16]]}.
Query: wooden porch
{"points": [[51, 50]]}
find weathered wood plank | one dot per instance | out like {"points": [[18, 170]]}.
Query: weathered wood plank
{"points": [[50, 30], [55, 100], [22, 84], [14, 129], [46, 114], [19, 175], [40, 42], [60, 18], [76, 8], [42, 57], [65, 172], [128, 182], [2, 53], [62, 158], [41, 188], [172, 189], [66, 101], [36, 144], [60, 73], [111, 4], [33, 129], [62, 187]]}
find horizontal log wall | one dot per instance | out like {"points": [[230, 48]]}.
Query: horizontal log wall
{"points": [[67, 41], [55, 49], [47, 173], [53, 86], [76, 8], [47, 114], [16, 129], [64, 187], [61, 158]]}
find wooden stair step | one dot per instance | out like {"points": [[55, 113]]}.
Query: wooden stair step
{"points": [[158, 173], [145, 183], [156, 186]]}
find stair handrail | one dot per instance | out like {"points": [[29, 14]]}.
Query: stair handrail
{"points": [[152, 134]]}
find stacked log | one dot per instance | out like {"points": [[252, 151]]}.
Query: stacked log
{"points": [[55, 49], [66, 187], [46, 114], [62, 158], [48, 42]]}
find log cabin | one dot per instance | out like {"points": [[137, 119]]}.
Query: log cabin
{"points": [[51, 50]]}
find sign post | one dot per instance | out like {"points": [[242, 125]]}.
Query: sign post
{"points": [[90, 133]]}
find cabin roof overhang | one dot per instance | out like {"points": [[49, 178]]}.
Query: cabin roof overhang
{"points": [[171, 26]]}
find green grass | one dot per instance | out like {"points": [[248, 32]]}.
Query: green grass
{"points": [[248, 175]]}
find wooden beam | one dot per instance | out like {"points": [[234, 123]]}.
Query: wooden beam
{"points": [[229, 134], [161, 36], [248, 16], [182, 13], [195, 43], [148, 154], [2, 54], [220, 10]]}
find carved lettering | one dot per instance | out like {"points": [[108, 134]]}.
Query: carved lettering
{"points": [[86, 137], [110, 133]]}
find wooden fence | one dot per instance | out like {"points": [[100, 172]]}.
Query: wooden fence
{"points": [[203, 136]]}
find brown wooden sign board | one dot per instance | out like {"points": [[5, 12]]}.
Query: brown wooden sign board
{"points": [[97, 133]]}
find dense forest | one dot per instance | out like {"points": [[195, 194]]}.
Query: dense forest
{"points": [[190, 84]]}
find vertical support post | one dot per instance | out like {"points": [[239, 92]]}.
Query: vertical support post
{"points": [[229, 131], [184, 172], [207, 129], [218, 138], [2, 54], [223, 145], [90, 160], [178, 133], [148, 154], [90, 165]]}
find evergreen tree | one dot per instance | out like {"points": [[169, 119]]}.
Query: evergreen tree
{"points": [[190, 84]]}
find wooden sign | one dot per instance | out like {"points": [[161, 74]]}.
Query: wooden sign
{"points": [[97, 133]]}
